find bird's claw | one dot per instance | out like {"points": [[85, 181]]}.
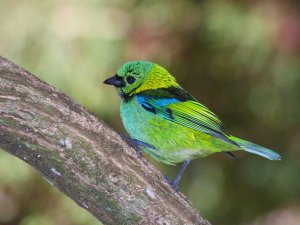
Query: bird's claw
{"points": [[137, 149], [173, 183]]}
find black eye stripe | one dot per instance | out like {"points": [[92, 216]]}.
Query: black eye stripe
{"points": [[130, 79]]}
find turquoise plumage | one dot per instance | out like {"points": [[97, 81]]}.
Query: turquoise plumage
{"points": [[167, 122]]}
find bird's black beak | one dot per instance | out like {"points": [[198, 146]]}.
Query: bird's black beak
{"points": [[116, 81]]}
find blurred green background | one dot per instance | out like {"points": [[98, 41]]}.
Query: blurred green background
{"points": [[240, 58]]}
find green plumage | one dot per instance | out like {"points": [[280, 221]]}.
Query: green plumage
{"points": [[156, 110], [174, 140]]}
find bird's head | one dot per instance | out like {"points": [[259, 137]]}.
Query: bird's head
{"points": [[137, 76]]}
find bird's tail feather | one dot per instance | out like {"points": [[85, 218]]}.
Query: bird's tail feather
{"points": [[255, 149]]}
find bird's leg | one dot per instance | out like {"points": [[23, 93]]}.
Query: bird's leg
{"points": [[174, 183], [136, 144]]}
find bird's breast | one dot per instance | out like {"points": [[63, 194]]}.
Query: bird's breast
{"points": [[135, 118]]}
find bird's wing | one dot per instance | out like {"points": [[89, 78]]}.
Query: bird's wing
{"points": [[184, 111]]}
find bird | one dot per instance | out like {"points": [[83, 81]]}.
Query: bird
{"points": [[168, 123]]}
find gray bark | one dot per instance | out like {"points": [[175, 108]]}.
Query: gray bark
{"points": [[82, 156]]}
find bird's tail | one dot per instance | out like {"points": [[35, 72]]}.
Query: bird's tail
{"points": [[255, 149]]}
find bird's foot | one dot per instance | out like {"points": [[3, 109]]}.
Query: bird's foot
{"points": [[173, 182], [136, 144]]}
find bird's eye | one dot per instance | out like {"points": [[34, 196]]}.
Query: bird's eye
{"points": [[130, 80]]}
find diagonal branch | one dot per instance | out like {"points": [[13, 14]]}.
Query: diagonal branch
{"points": [[82, 156]]}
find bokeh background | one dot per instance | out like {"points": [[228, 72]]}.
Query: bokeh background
{"points": [[240, 58]]}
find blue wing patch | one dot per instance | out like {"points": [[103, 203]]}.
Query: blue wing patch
{"points": [[151, 105], [148, 107], [158, 102]]}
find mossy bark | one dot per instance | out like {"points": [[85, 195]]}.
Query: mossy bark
{"points": [[82, 156]]}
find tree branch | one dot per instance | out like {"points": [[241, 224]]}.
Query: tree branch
{"points": [[82, 156]]}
